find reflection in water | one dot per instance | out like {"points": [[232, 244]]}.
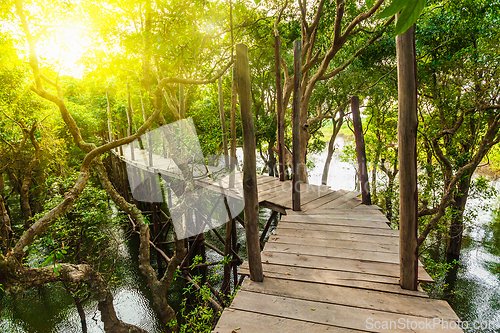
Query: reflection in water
{"points": [[474, 286], [341, 174], [51, 309]]}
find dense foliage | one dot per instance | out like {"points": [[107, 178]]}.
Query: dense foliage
{"points": [[76, 76]]}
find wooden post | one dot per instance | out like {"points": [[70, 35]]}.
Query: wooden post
{"points": [[249, 164], [297, 67], [148, 137], [119, 136], [279, 106], [182, 109], [407, 145], [360, 151], [150, 148], [156, 230], [266, 228], [233, 129], [226, 282], [108, 112], [223, 122], [130, 112]]}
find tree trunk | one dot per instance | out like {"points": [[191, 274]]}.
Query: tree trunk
{"points": [[25, 199], [389, 194], [271, 162], [5, 229], [457, 222], [328, 160], [81, 313]]}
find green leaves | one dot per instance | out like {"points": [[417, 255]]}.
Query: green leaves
{"points": [[409, 15], [394, 8], [369, 3], [410, 11]]}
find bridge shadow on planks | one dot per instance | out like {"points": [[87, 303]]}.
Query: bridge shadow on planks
{"points": [[333, 267]]}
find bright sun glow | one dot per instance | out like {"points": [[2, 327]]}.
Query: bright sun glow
{"points": [[64, 49]]}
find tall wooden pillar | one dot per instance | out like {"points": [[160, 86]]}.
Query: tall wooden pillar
{"points": [[407, 146], [279, 107], [249, 164], [297, 77], [360, 151], [223, 122]]}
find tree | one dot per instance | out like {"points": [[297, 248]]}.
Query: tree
{"points": [[459, 114], [324, 58]]}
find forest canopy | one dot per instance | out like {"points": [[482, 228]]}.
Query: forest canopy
{"points": [[81, 79]]}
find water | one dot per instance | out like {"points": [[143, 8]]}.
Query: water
{"points": [[476, 296], [51, 309], [341, 175], [474, 287]]}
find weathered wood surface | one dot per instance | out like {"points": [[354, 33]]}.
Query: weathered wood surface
{"points": [[337, 257], [332, 267]]}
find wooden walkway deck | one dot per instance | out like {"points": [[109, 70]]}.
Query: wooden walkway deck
{"points": [[334, 267]]}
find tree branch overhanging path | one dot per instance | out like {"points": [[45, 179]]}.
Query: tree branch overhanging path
{"points": [[317, 59], [19, 276]]}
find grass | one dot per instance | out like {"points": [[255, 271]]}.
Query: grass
{"points": [[327, 131]]}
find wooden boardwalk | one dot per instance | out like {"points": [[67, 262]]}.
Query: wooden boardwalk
{"points": [[334, 267]]}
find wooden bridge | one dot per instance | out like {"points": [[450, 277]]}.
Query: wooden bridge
{"points": [[333, 267], [333, 264]]}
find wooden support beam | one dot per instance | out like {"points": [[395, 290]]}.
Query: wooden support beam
{"points": [[279, 106], [297, 67], [156, 230], [266, 228], [360, 151], [407, 144], [226, 281], [182, 106], [223, 122], [249, 164], [234, 94], [130, 112]]}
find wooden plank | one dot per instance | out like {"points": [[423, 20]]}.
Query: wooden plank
{"points": [[262, 179], [271, 206], [368, 207], [351, 203], [321, 275], [339, 201], [340, 216], [339, 264], [339, 278], [273, 191], [282, 198], [340, 228], [332, 252], [338, 222], [234, 320], [336, 235], [365, 299], [313, 192], [323, 313], [323, 200], [336, 211], [336, 243], [273, 185]]}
